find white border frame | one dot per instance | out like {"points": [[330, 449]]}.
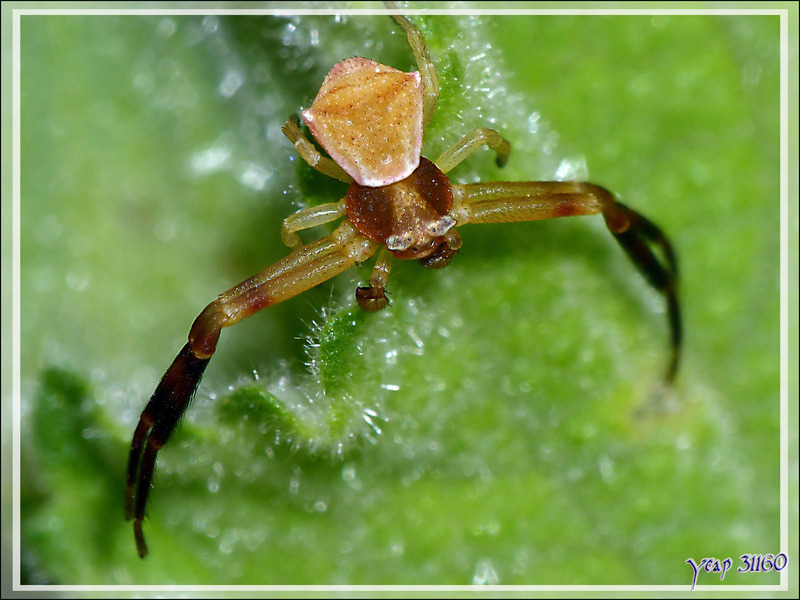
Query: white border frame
{"points": [[784, 312]]}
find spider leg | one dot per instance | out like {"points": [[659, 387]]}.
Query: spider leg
{"points": [[427, 70], [303, 269], [158, 421], [310, 154], [372, 298], [471, 142], [641, 239], [310, 217]]}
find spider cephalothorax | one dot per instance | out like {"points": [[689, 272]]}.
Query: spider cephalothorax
{"points": [[410, 217], [370, 119]]}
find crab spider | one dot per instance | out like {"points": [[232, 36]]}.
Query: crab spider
{"points": [[370, 120]]}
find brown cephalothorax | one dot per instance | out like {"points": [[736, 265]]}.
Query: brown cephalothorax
{"points": [[409, 217], [370, 119]]}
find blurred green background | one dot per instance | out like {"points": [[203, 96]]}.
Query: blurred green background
{"points": [[501, 421]]}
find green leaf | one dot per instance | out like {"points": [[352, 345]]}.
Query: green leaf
{"points": [[498, 423]]}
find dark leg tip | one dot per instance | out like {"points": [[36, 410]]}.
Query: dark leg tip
{"points": [[141, 546], [158, 421], [371, 299]]}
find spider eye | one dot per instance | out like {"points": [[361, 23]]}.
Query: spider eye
{"points": [[441, 226], [400, 242]]}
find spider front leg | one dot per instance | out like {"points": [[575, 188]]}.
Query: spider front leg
{"points": [[505, 202], [427, 70], [372, 298], [310, 154], [310, 217], [471, 142], [303, 269]]}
